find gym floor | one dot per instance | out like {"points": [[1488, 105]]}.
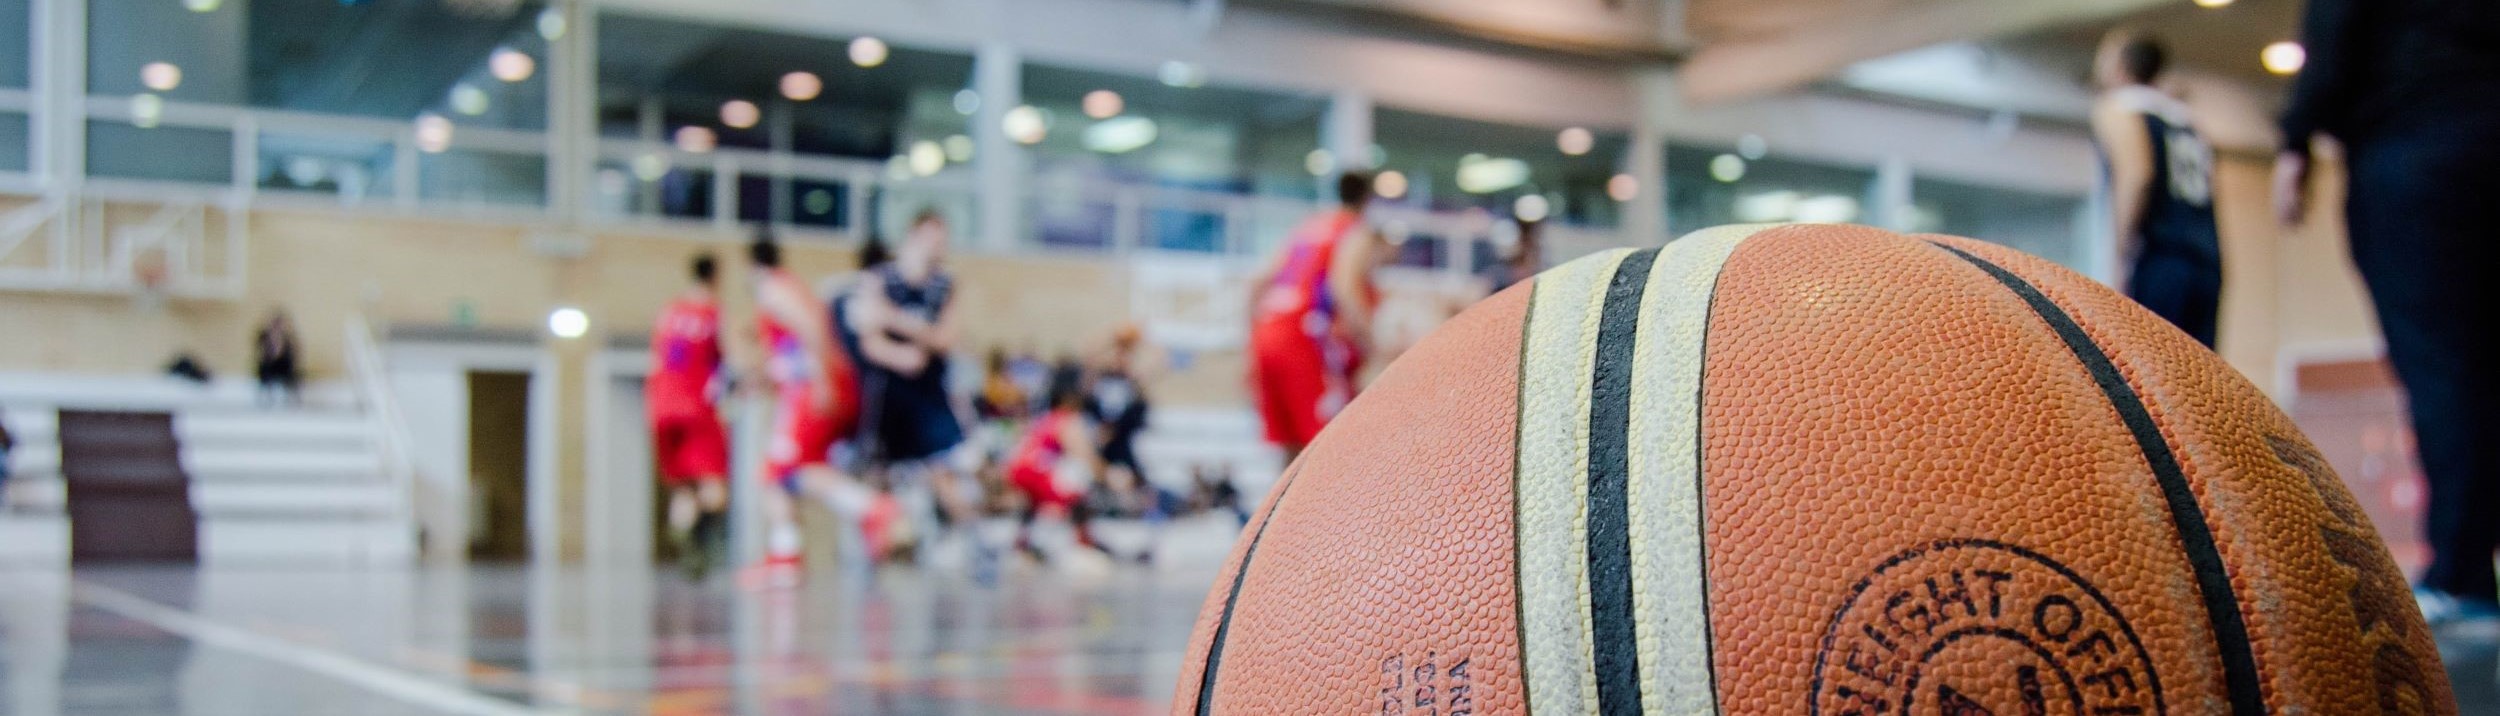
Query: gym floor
{"points": [[509, 641]]}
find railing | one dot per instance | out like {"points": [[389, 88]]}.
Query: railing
{"points": [[92, 244], [381, 405]]}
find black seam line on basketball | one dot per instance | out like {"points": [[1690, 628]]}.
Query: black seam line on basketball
{"points": [[2213, 578], [1518, 443], [1613, 639], [1224, 625]]}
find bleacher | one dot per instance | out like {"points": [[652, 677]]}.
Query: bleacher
{"points": [[274, 486]]}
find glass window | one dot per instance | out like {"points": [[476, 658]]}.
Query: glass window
{"points": [[659, 75], [16, 46], [13, 135], [2046, 225], [479, 63], [1104, 128], [1709, 187], [481, 177], [1453, 164], [188, 154], [353, 168]]}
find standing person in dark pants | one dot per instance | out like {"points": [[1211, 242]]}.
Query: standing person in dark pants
{"points": [[2412, 90], [281, 382]]}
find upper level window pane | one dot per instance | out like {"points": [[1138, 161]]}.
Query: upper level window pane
{"points": [[1102, 127], [1456, 164], [1709, 187], [478, 63], [754, 89], [16, 46], [2046, 225]]}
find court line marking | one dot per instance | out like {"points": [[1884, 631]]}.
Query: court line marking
{"points": [[394, 683]]}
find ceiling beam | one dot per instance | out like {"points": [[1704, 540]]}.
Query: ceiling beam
{"points": [[1389, 22], [1754, 64]]}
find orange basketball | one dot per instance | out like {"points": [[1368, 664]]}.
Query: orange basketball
{"points": [[1810, 470]]}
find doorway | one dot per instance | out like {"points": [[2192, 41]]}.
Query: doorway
{"points": [[499, 430]]}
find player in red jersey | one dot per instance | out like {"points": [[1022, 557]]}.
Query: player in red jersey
{"points": [[686, 434], [1311, 311], [1057, 445], [816, 404]]}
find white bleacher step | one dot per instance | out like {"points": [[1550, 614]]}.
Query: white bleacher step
{"points": [[292, 429], [218, 466], [33, 539], [141, 391], [343, 542], [245, 500]]}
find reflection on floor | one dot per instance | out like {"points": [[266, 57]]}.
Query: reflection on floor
{"points": [[507, 641]]}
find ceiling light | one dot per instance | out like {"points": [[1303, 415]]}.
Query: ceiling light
{"points": [[468, 99], [1727, 168], [1623, 187], [1176, 73], [1103, 104], [1120, 135], [160, 76], [740, 114], [201, 5], [568, 322], [650, 167], [958, 148], [801, 86], [1752, 146], [2212, 3], [868, 51], [1319, 163], [551, 24], [926, 158], [1024, 124], [1575, 141], [146, 110], [1530, 208], [433, 133], [511, 65], [1390, 184], [967, 102], [2284, 58], [693, 139], [1480, 174]]}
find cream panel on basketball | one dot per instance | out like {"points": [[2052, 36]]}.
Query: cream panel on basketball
{"points": [[1664, 482], [1561, 347]]}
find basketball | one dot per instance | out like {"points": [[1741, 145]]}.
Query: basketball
{"points": [[1810, 469]]}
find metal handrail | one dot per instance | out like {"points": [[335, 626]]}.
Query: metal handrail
{"points": [[389, 427]]}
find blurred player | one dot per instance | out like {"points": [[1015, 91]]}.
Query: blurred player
{"points": [[1055, 461], [815, 403], [1311, 318], [2161, 187], [904, 318], [686, 432]]}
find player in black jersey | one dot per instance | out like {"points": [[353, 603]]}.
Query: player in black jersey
{"points": [[2160, 176]]}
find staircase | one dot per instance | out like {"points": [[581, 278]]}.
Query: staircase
{"points": [[285, 486]]}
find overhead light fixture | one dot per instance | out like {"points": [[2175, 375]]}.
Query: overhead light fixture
{"points": [[1727, 168], [433, 133], [2284, 58], [802, 86], [740, 114], [650, 166], [1752, 146], [568, 322], [160, 76], [696, 139], [1025, 125], [1769, 206], [1176, 73], [1575, 141], [868, 51], [2212, 3], [1530, 208], [202, 5], [468, 99], [511, 65], [551, 24], [1826, 209], [1319, 163], [1480, 174], [958, 148], [898, 168], [817, 202], [1623, 187], [146, 110], [1390, 184], [967, 102], [1103, 104], [1120, 135], [926, 158]]}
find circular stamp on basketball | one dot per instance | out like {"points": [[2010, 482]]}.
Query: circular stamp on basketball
{"points": [[1966, 627]]}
